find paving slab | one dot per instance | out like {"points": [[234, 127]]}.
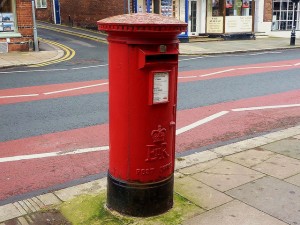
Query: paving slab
{"points": [[200, 167], [234, 213], [298, 137], [226, 175], [288, 147], [199, 193], [49, 199], [93, 187], [272, 196], [8, 212], [294, 180], [250, 157], [279, 166], [193, 159]]}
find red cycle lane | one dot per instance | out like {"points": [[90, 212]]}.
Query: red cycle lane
{"points": [[196, 128], [34, 93]]}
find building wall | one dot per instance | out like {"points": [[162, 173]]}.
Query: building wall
{"points": [[86, 13], [25, 28], [45, 14], [268, 11]]}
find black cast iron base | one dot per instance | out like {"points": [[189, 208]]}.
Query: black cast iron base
{"points": [[139, 200]]}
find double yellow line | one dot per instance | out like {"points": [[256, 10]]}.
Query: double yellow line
{"points": [[86, 36], [69, 54]]}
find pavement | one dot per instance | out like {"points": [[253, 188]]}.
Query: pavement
{"points": [[255, 181], [203, 46]]}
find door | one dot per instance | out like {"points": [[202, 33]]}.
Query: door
{"points": [[193, 17], [56, 11]]}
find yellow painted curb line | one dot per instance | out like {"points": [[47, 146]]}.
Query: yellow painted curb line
{"points": [[73, 33], [69, 54]]}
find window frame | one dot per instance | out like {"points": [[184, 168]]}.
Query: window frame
{"points": [[14, 33], [40, 6]]}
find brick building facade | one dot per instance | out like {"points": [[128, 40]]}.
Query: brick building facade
{"points": [[16, 25], [81, 13]]}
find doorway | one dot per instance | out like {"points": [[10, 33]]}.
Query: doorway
{"points": [[193, 18], [56, 12]]}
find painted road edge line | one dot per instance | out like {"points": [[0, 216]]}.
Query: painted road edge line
{"points": [[52, 154], [201, 122], [73, 89], [265, 107]]}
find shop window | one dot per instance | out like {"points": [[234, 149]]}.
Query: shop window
{"points": [[7, 16], [163, 7], [283, 15], [41, 4]]}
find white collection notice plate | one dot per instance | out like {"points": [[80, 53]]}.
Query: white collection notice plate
{"points": [[160, 87]]}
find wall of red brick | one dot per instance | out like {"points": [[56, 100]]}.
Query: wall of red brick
{"points": [[82, 13], [268, 11], [25, 27], [45, 14], [85, 13]]}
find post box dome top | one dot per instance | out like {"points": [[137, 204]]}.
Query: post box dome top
{"points": [[142, 22]]}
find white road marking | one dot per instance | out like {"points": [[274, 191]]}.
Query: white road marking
{"points": [[187, 77], [265, 107], [73, 89], [52, 70], [201, 122], [189, 59], [178, 132], [214, 73], [20, 96], [52, 154]]}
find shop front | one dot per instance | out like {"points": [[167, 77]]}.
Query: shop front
{"points": [[227, 18], [230, 18], [16, 25]]}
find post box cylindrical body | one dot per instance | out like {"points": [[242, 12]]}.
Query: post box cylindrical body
{"points": [[143, 69]]}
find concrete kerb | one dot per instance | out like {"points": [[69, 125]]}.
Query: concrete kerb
{"points": [[28, 206], [25, 59], [184, 53]]}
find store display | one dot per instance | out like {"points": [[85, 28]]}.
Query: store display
{"points": [[7, 22]]}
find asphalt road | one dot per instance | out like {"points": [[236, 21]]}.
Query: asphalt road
{"points": [[222, 87]]}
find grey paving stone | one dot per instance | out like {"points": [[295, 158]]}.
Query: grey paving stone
{"points": [[272, 196], [19, 207], [294, 180], [250, 157], [8, 212], [200, 167], [226, 175], [297, 137], [93, 187], [49, 199], [234, 213], [199, 193], [279, 166], [193, 159], [29, 205], [23, 221], [288, 147]]}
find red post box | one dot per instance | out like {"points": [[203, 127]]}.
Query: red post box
{"points": [[143, 69]]}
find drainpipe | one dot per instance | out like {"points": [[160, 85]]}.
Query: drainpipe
{"points": [[35, 38]]}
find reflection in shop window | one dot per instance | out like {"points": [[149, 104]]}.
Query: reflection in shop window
{"points": [[283, 14], [41, 3], [6, 16]]}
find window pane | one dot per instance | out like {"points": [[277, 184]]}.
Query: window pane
{"points": [[5, 5]]}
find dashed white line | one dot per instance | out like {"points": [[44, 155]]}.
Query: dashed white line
{"points": [[201, 122], [20, 96], [73, 89], [52, 154], [265, 107], [214, 73]]}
